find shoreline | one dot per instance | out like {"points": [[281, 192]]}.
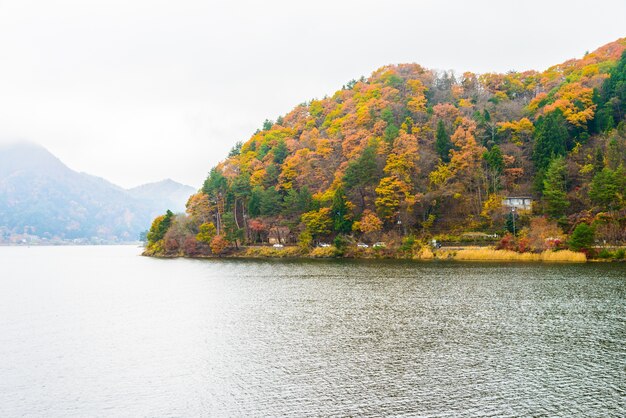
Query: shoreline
{"points": [[468, 254]]}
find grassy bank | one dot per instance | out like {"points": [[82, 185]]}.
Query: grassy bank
{"points": [[488, 254], [423, 253]]}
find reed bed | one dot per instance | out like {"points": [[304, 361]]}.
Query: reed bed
{"points": [[487, 254], [272, 252]]}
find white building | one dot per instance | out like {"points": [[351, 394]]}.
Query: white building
{"points": [[518, 202]]}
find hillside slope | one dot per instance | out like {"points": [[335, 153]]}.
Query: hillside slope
{"points": [[410, 152]]}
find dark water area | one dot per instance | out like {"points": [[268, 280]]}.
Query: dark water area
{"points": [[101, 331]]}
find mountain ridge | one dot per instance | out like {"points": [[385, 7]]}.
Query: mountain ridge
{"points": [[42, 198]]}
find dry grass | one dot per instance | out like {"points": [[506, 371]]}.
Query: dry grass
{"points": [[488, 254], [272, 252], [565, 255], [324, 252], [424, 254]]}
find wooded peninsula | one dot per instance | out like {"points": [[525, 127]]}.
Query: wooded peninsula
{"points": [[422, 164]]}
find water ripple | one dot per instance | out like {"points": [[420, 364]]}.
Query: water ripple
{"points": [[87, 335]]}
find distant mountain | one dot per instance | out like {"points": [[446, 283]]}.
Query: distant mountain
{"points": [[165, 192], [41, 198]]}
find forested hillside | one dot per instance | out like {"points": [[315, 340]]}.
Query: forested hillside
{"points": [[409, 154]]}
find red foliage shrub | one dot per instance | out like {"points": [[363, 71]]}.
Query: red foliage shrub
{"points": [[507, 243]]}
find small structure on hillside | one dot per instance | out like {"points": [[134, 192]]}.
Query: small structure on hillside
{"points": [[518, 202], [279, 235]]}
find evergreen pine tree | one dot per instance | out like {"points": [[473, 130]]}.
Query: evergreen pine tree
{"points": [[555, 188], [550, 139], [339, 212], [443, 145]]}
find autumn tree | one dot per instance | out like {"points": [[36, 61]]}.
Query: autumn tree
{"points": [[219, 244], [207, 232], [391, 192], [198, 207], [258, 228], [520, 131], [466, 165], [318, 223], [369, 225], [395, 192], [543, 234], [575, 102]]}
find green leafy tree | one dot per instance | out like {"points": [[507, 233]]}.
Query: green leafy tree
{"points": [[612, 99], [263, 150], [280, 152], [271, 176], [159, 227], [340, 212], [581, 238], [215, 183], [391, 131], [551, 138], [267, 124], [495, 165], [236, 150], [555, 188], [443, 144], [494, 159], [615, 154], [232, 232], [361, 173], [297, 201], [604, 119], [254, 203], [510, 223], [608, 188], [270, 203], [240, 186]]}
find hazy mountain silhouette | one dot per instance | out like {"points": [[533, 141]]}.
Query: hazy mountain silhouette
{"points": [[41, 196], [173, 194]]}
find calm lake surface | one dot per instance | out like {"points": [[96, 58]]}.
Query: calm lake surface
{"points": [[100, 331]]}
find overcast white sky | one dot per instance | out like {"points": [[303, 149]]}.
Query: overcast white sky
{"points": [[138, 91]]}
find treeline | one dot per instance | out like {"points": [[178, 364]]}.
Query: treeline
{"points": [[411, 154]]}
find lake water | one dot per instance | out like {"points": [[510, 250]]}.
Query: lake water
{"points": [[100, 331]]}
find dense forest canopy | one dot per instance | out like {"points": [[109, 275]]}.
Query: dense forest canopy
{"points": [[412, 152]]}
